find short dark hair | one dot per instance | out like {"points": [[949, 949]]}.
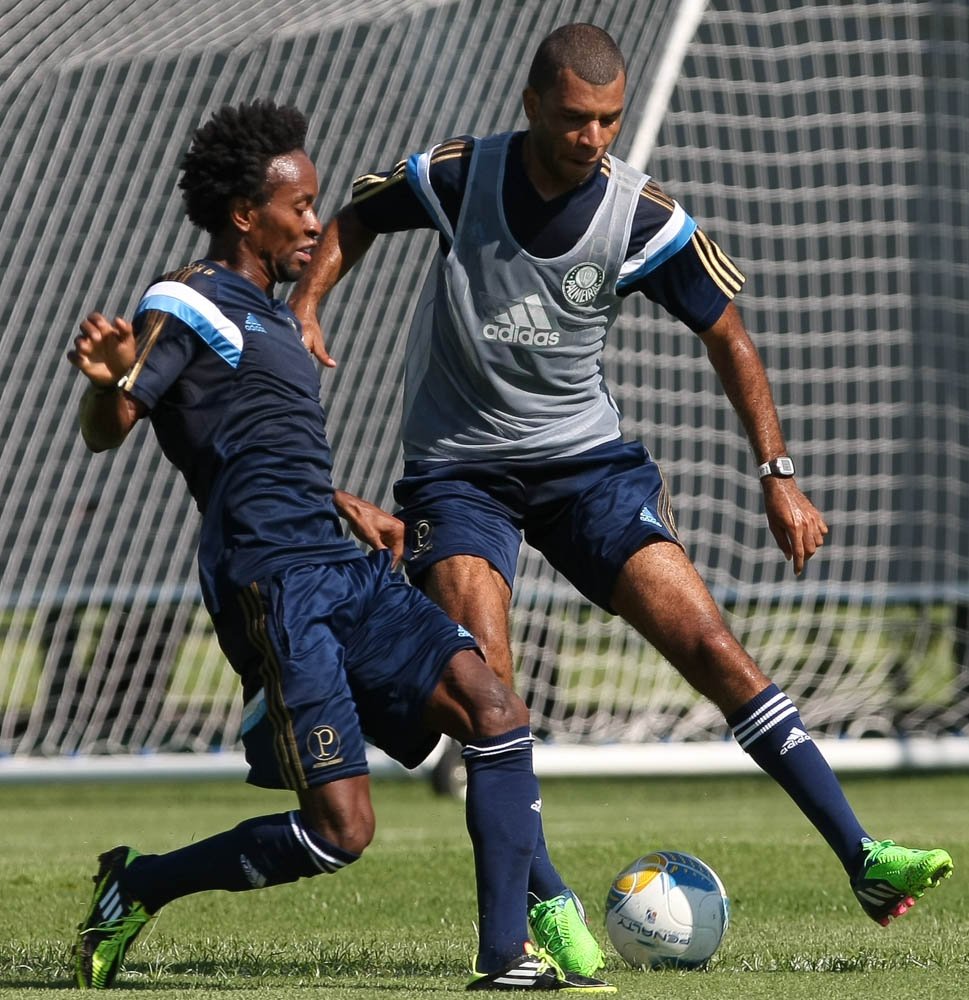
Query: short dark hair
{"points": [[230, 155], [583, 48]]}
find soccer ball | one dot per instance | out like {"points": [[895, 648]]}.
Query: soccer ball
{"points": [[667, 909]]}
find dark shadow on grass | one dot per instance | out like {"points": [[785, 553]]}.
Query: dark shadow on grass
{"points": [[12, 983]]}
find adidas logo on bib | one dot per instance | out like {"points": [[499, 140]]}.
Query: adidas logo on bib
{"points": [[525, 323]]}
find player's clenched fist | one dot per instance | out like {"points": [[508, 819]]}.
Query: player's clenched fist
{"points": [[104, 350]]}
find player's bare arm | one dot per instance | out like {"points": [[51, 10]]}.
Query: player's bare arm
{"points": [[796, 524], [371, 524], [344, 241], [103, 352]]}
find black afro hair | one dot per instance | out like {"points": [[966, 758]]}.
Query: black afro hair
{"points": [[229, 157]]}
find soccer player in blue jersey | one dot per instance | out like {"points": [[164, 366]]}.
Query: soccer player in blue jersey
{"points": [[331, 646], [509, 428]]}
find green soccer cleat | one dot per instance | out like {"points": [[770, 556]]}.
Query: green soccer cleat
{"points": [[892, 878], [111, 925], [535, 969], [559, 928]]}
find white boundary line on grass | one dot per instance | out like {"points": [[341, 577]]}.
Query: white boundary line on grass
{"points": [[551, 760]]}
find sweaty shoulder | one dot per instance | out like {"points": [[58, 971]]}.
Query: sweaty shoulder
{"points": [[417, 191], [674, 263]]}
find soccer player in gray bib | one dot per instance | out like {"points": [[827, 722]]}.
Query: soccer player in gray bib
{"points": [[509, 429]]}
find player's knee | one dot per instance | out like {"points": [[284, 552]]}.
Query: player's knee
{"points": [[471, 701], [356, 841], [340, 813], [351, 834], [498, 710]]}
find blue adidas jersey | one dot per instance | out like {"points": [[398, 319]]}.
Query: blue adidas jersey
{"points": [[234, 401], [668, 258]]}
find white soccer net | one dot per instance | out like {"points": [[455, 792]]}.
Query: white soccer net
{"points": [[824, 146]]}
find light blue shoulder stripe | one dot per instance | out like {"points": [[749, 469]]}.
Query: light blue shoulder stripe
{"points": [[199, 314], [419, 178], [646, 262]]}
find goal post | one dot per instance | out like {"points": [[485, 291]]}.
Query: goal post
{"points": [[824, 147], [647, 120]]}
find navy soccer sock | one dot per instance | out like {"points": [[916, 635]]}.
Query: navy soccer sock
{"points": [[264, 851], [770, 730], [544, 881], [503, 805]]}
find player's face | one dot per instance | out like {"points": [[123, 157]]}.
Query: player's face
{"points": [[285, 229], [570, 127]]}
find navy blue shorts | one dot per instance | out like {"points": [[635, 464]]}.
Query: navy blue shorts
{"points": [[333, 656], [587, 514]]}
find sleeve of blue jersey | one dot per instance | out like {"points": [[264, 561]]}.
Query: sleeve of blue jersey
{"points": [[663, 263], [160, 363], [658, 234], [683, 286], [427, 197], [197, 310]]}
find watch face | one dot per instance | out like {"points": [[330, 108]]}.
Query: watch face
{"points": [[782, 468]]}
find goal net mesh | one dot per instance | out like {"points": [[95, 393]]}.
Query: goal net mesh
{"points": [[825, 146]]}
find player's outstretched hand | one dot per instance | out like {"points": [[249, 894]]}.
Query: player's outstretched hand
{"points": [[313, 340], [104, 351], [796, 524], [372, 525]]}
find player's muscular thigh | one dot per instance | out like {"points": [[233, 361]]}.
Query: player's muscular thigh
{"points": [[476, 596]]}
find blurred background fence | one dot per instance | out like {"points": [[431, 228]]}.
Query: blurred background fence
{"points": [[825, 146]]}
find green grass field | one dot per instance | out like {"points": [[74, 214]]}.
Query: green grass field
{"points": [[399, 923]]}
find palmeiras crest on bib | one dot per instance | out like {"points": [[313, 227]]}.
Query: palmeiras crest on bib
{"points": [[581, 285]]}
